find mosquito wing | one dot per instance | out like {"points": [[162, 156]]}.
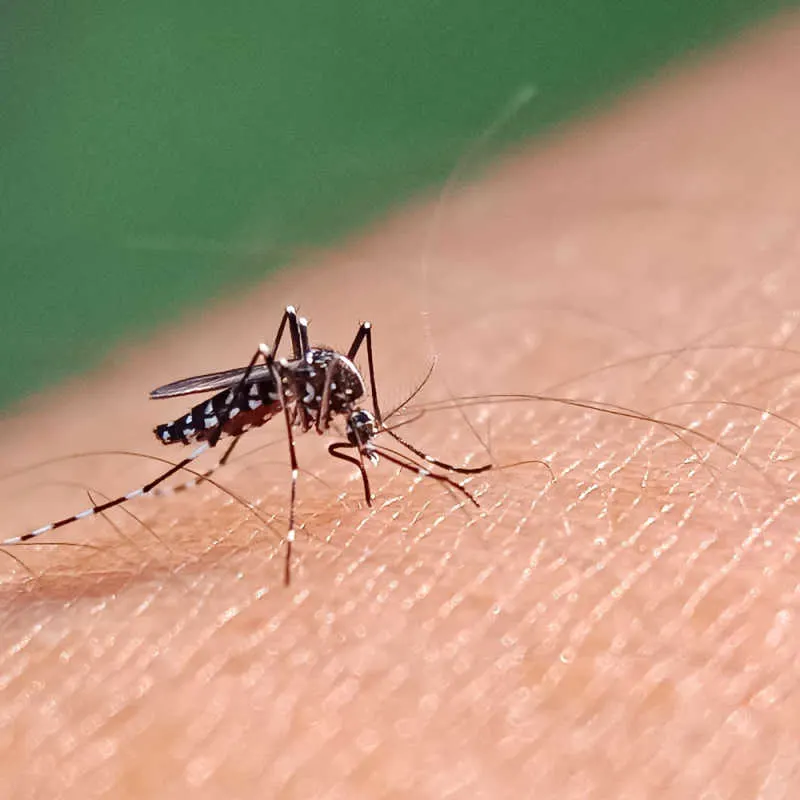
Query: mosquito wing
{"points": [[212, 382]]}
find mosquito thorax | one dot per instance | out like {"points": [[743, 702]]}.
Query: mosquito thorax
{"points": [[361, 428], [307, 376]]}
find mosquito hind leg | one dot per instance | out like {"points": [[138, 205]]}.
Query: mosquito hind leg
{"points": [[117, 501]]}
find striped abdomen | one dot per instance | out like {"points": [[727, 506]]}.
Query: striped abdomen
{"points": [[255, 405]]}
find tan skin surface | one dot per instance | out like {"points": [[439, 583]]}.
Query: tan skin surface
{"points": [[629, 630]]}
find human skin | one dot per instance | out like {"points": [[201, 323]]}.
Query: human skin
{"points": [[625, 629]]}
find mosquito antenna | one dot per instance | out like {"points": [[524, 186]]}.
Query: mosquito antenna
{"points": [[410, 421], [420, 386]]}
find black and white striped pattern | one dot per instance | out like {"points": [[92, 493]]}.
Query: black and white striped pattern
{"points": [[99, 509], [235, 412]]}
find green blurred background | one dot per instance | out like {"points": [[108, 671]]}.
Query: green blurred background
{"points": [[153, 158]]}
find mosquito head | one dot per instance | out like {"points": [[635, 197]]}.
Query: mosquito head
{"points": [[361, 427]]}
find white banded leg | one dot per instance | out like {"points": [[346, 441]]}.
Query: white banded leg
{"points": [[117, 501]]}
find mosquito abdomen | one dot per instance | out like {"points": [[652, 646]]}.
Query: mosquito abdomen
{"points": [[253, 406]]}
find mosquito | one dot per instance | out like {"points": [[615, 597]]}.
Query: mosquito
{"points": [[312, 389]]}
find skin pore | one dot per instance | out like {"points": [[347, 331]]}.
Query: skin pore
{"points": [[626, 630]]}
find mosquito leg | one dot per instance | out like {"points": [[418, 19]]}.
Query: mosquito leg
{"points": [[335, 450], [302, 332], [221, 463], [290, 317], [405, 463], [323, 415], [301, 409], [269, 358], [227, 454], [117, 501], [295, 324], [435, 461], [365, 332]]}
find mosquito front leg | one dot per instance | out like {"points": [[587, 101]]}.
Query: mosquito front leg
{"points": [[335, 450]]}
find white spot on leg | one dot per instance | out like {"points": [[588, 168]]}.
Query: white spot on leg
{"points": [[84, 514], [290, 535], [199, 451], [135, 493]]}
